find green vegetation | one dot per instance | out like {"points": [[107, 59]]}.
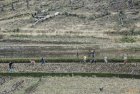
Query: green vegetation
{"points": [[41, 74], [63, 60], [128, 39], [16, 30], [50, 60], [1, 36]]}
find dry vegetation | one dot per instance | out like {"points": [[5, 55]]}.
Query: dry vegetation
{"points": [[91, 24], [70, 85], [79, 23]]}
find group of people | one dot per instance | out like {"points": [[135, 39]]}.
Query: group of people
{"points": [[93, 59], [42, 61], [91, 55], [12, 68]]}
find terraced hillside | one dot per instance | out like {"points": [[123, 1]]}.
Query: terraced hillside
{"points": [[67, 30], [63, 28]]}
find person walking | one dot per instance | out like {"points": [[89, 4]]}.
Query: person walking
{"points": [[32, 62], [105, 59], [11, 67], [42, 61], [84, 59], [93, 56], [125, 58]]}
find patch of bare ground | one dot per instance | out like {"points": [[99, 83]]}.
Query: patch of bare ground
{"points": [[130, 68], [87, 85]]}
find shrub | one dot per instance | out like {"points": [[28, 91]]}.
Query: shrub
{"points": [[127, 39], [16, 30], [1, 36]]}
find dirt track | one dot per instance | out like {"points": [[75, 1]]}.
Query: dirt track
{"points": [[75, 67]]}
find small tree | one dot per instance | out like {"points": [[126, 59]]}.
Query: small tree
{"points": [[12, 6], [27, 2], [77, 52], [70, 1], [2, 7]]}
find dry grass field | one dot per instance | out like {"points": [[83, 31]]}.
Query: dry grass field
{"points": [[70, 85], [82, 25]]}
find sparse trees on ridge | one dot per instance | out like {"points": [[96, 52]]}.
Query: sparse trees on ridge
{"points": [[27, 2]]}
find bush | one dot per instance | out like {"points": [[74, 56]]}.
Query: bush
{"points": [[127, 39], [16, 30], [1, 36]]}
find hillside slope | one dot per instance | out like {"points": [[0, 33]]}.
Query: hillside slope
{"points": [[110, 26]]}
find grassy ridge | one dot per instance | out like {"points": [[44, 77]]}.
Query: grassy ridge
{"points": [[40, 74], [25, 60], [60, 60]]}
